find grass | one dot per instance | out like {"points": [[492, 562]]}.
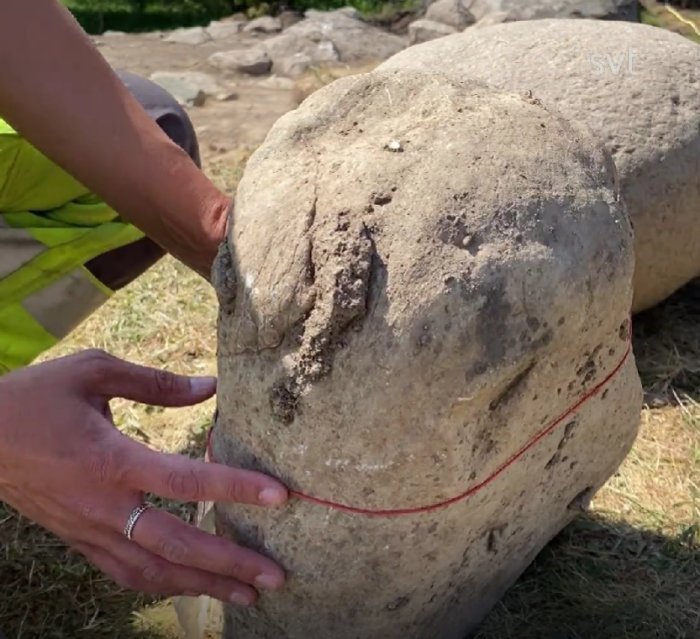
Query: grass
{"points": [[97, 16], [655, 14]]}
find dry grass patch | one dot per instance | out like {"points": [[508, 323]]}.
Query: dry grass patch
{"points": [[656, 14]]}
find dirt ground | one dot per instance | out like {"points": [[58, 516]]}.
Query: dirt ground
{"points": [[221, 125]]}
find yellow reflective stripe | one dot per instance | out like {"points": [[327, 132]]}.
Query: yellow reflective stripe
{"points": [[63, 304], [30, 180]]}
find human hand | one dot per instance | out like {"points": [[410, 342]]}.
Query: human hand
{"points": [[64, 465]]}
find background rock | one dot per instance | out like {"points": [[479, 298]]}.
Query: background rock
{"points": [[182, 88], [638, 88], [452, 12], [192, 35], [296, 64], [495, 17], [394, 325], [192, 87], [264, 24], [288, 18], [293, 54], [221, 30], [424, 30], [253, 61], [534, 9], [327, 37]]}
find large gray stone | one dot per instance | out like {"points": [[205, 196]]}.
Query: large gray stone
{"points": [[452, 12], [535, 9], [424, 30], [264, 24], [495, 17], [193, 36], [183, 89], [421, 275], [333, 36], [222, 30], [294, 65], [638, 88], [253, 61], [292, 54], [191, 88]]}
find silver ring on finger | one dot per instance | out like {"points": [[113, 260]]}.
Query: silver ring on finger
{"points": [[133, 519]]}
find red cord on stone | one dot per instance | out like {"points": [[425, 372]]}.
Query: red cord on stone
{"points": [[394, 512]]}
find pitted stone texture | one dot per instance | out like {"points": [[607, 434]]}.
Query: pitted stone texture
{"points": [[638, 88], [420, 273]]}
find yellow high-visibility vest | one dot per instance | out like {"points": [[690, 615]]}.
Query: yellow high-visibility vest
{"points": [[50, 227]]}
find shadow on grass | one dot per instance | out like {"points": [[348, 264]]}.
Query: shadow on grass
{"points": [[602, 579], [667, 348], [48, 592]]}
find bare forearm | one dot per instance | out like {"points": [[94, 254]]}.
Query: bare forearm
{"points": [[59, 92]]}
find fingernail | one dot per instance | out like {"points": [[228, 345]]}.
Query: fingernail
{"points": [[202, 384], [239, 599], [268, 582], [272, 497]]}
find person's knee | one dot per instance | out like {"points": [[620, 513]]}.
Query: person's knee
{"points": [[164, 109]]}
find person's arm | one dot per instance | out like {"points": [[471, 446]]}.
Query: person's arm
{"points": [[57, 90]]}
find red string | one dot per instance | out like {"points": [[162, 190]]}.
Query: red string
{"points": [[394, 512]]}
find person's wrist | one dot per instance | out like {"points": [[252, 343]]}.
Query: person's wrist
{"points": [[191, 210]]}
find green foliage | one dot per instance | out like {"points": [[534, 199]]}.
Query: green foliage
{"points": [[97, 16]]}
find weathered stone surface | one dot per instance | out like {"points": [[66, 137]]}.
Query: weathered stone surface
{"points": [[333, 36], [292, 54], [288, 18], [264, 24], [421, 273], [536, 9], [452, 12], [192, 35], [222, 30], [253, 61], [638, 88], [424, 30], [294, 65], [495, 17]]}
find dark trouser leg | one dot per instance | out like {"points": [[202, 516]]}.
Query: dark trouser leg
{"points": [[118, 268]]}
